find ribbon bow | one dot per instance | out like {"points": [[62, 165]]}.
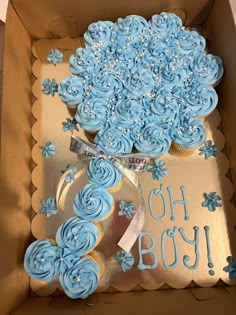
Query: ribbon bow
{"points": [[126, 164]]}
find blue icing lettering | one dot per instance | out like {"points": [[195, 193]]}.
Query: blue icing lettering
{"points": [[171, 234], [157, 192], [144, 251], [178, 202], [194, 242], [209, 258]]}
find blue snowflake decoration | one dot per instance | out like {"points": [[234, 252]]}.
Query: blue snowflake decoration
{"points": [[158, 169], [55, 57], [231, 268], [49, 87], [70, 176], [48, 150], [69, 125], [209, 149], [126, 209], [211, 201], [48, 207]]}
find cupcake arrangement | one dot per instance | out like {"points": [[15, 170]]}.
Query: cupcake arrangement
{"points": [[138, 85], [71, 257], [143, 85]]}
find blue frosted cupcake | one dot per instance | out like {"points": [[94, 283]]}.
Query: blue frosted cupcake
{"points": [[153, 140], [103, 173], [93, 203], [188, 136], [82, 279], [79, 235]]}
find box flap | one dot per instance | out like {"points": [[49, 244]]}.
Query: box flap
{"points": [[3, 10]]}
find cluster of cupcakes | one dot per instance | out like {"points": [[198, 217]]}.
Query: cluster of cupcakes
{"points": [[142, 84], [71, 257]]}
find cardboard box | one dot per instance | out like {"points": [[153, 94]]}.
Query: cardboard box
{"points": [[27, 21]]}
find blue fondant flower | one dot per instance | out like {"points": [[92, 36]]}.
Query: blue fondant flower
{"points": [[70, 176], [48, 150], [209, 149], [69, 125], [125, 260], [211, 201], [231, 268], [55, 56], [126, 209], [48, 207], [49, 87], [158, 169]]}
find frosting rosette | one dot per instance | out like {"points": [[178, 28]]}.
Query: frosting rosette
{"points": [[131, 29], [127, 112], [165, 24], [113, 140], [77, 235], [103, 173], [71, 90], [84, 60], [153, 140], [189, 133], [82, 279], [98, 34], [190, 43], [93, 203], [201, 100], [139, 82], [40, 259], [166, 107], [208, 69], [105, 84], [92, 114]]}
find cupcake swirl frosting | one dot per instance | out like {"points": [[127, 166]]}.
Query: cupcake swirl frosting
{"points": [[189, 133], [40, 260], [165, 106], [93, 203], [165, 24], [77, 235], [127, 112], [190, 43], [103, 173], [98, 34], [153, 140], [209, 69], [84, 60], [71, 90], [202, 99], [82, 279], [131, 28], [104, 84], [139, 81], [92, 114], [113, 140]]}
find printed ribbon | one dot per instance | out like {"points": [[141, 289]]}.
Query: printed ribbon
{"points": [[126, 164]]}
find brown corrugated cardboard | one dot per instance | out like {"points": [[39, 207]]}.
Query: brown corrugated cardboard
{"points": [[53, 19]]}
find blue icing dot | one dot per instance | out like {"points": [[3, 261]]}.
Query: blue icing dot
{"points": [[211, 272]]}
